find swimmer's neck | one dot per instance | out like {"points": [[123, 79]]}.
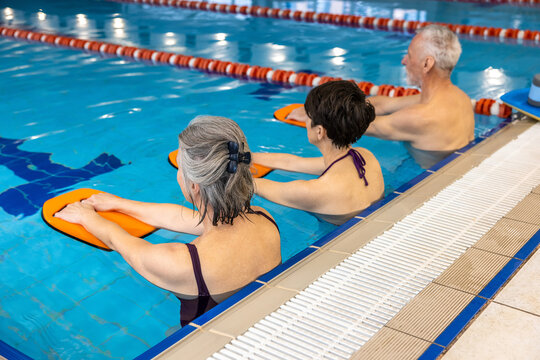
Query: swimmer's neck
{"points": [[432, 84], [208, 227], [330, 152]]}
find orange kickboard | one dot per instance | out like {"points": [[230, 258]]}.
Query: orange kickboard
{"points": [[52, 206], [258, 171], [282, 113]]}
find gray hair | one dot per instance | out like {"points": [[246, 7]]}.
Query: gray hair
{"points": [[204, 154], [441, 43]]}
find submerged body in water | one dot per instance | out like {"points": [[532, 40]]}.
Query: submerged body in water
{"points": [[427, 158]]}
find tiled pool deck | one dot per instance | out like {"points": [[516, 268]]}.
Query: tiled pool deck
{"points": [[430, 323]]}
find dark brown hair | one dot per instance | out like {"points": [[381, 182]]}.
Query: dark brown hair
{"points": [[341, 108]]}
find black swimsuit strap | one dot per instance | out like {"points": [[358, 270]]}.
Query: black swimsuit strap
{"points": [[202, 289], [201, 285], [195, 260], [268, 217]]}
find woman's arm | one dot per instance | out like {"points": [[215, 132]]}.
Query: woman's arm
{"points": [[299, 194], [289, 162], [165, 216], [165, 265]]}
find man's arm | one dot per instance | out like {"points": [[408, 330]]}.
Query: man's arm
{"points": [[388, 105], [288, 162], [403, 125], [299, 194]]}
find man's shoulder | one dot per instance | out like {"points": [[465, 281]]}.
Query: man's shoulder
{"points": [[416, 114]]}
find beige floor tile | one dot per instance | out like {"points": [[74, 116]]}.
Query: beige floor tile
{"points": [[309, 270], [430, 312], [463, 164], [389, 344], [499, 332], [494, 143], [401, 207], [238, 319], [526, 122], [358, 236], [472, 271], [507, 237], [434, 184], [527, 210], [523, 291], [198, 345]]}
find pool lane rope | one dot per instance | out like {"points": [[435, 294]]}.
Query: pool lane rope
{"points": [[500, 2], [231, 69], [368, 22]]}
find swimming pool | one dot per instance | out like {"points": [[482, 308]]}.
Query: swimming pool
{"points": [[108, 123]]}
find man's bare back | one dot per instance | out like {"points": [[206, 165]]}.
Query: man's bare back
{"points": [[446, 124]]}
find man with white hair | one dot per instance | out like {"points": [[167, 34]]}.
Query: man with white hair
{"points": [[440, 119]]}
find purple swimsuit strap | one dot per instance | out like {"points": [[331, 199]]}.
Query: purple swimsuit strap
{"points": [[358, 161]]}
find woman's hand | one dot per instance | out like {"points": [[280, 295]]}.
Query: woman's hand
{"points": [[103, 202], [298, 114], [76, 212]]}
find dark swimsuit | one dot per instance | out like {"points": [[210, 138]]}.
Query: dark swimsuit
{"points": [[193, 308], [358, 161]]}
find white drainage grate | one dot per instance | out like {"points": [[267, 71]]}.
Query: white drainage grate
{"points": [[335, 315]]}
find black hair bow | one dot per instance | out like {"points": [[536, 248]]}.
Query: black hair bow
{"points": [[235, 157]]}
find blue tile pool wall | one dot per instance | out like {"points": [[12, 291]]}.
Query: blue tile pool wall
{"points": [[11, 353]]}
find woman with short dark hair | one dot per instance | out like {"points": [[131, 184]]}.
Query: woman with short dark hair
{"points": [[350, 179], [237, 242]]}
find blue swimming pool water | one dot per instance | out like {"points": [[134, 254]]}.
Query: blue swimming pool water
{"points": [[72, 119]]}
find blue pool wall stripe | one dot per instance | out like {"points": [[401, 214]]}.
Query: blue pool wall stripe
{"points": [[11, 353], [450, 333]]}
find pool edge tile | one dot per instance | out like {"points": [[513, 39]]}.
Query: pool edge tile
{"points": [[227, 303], [11, 353], [280, 269], [529, 247], [500, 278], [336, 232], [460, 321]]}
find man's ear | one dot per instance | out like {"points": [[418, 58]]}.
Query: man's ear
{"points": [[429, 62]]}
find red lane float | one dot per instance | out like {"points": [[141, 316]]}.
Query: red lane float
{"points": [[368, 22], [510, 2], [225, 68]]}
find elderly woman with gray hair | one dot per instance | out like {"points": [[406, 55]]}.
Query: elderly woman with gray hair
{"points": [[236, 242]]}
